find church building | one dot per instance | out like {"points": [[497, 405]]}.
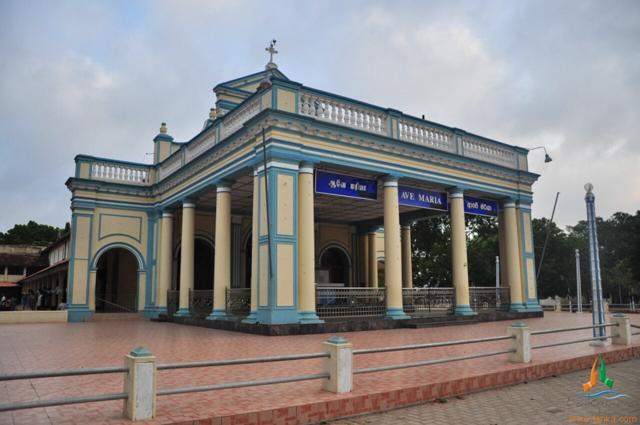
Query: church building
{"points": [[294, 205]]}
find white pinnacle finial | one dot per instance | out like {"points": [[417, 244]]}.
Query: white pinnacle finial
{"points": [[272, 51]]}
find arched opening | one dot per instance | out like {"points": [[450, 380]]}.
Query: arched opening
{"points": [[335, 262], [203, 265], [117, 281], [247, 264]]}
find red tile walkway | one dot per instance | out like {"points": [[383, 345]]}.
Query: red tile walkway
{"points": [[96, 344]]}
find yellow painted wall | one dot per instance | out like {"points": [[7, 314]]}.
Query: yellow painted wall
{"points": [[285, 274], [286, 100], [285, 204], [18, 317]]}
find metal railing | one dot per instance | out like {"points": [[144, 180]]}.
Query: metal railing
{"points": [[427, 300], [488, 298], [173, 301], [238, 301], [350, 302], [338, 370], [200, 302]]}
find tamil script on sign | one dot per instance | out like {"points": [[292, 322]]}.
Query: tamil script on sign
{"points": [[344, 185]]}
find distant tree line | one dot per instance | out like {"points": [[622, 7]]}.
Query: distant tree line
{"points": [[618, 237], [32, 233]]}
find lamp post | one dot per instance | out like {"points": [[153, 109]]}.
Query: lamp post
{"points": [[597, 310], [578, 282]]}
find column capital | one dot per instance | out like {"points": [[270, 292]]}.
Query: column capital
{"points": [[223, 186], [188, 203], [509, 203], [524, 204], [390, 180], [456, 192], [306, 167], [167, 214]]}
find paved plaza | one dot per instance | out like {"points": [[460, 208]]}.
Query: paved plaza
{"points": [[98, 344]]}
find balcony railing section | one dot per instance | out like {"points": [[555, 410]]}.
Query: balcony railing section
{"points": [[170, 165], [197, 147], [238, 301], [488, 298], [200, 302], [343, 113], [426, 135], [419, 301], [120, 173], [489, 152], [235, 119], [350, 302]]}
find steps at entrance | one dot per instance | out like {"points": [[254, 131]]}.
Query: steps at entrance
{"points": [[433, 321], [109, 317]]}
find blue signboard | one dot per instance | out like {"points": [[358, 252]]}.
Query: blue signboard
{"points": [[427, 199], [479, 206], [348, 186]]}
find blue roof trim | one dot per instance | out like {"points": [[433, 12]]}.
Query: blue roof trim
{"points": [[274, 72]]}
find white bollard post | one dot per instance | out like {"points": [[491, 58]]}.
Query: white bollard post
{"points": [[623, 330], [140, 384], [521, 343], [339, 365]]}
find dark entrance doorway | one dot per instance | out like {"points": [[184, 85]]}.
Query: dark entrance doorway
{"points": [[117, 282], [203, 266], [336, 262]]}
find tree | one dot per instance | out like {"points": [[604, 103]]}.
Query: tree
{"points": [[31, 233]]}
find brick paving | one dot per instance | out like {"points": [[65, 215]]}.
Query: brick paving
{"points": [[96, 344], [548, 401]]}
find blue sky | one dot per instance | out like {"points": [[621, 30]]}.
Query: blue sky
{"points": [[99, 77]]}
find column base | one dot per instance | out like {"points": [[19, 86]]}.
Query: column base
{"points": [[309, 317], [219, 314], [183, 312], [78, 313], [518, 308], [597, 343], [396, 314], [154, 312], [252, 318], [464, 310], [533, 306]]}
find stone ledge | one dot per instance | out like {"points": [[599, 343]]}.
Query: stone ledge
{"points": [[31, 316]]}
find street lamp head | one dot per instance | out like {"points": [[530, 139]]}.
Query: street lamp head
{"points": [[547, 158], [588, 187]]}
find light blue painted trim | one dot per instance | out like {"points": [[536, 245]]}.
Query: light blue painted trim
{"points": [[100, 237], [183, 312], [150, 287], [78, 313], [88, 203], [464, 310], [141, 264], [518, 308], [256, 76], [308, 317], [396, 314]]}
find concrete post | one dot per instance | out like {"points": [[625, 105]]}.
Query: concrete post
{"points": [[140, 385], [392, 250], [459, 266], [252, 317], [521, 343], [165, 264], [222, 260], [623, 330], [373, 261], [187, 259], [339, 365], [306, 247], [407, 272]]}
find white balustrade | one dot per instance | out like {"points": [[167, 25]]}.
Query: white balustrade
{"points": [[423, 134], [120, 173], [234, 120], [343, 113], [170, 165], [489, 152]]}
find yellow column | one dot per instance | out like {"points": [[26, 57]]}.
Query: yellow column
{"points": [[252, 318], [165, 263], [460, 272], [373, 260], [407, 272], [306, 244], [512, 255], [392, 250], [186, 256], [222, 260], [364, 258]]}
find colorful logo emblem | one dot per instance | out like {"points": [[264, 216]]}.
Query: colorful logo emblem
{"points": [[609, 394]]}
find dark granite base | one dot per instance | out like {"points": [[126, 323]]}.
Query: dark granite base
{"points": [[346, 325]]}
